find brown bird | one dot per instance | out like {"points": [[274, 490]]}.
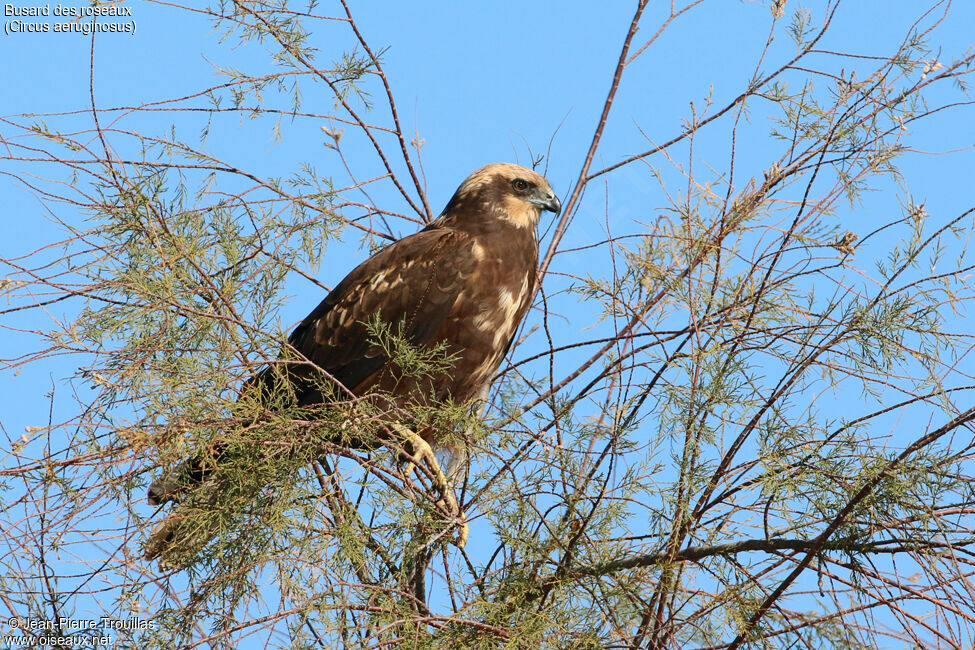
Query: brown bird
{"points": [[463, 283]]}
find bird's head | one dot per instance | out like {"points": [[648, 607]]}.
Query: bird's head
{"points": [[507, 191]]}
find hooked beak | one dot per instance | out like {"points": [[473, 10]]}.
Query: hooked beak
{"points": [[548, 201]]}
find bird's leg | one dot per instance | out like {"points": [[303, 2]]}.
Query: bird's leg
{"points": [[423, 451]]}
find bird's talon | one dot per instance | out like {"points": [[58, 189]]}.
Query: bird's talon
{"points": [[463, 532], [423, 452]]}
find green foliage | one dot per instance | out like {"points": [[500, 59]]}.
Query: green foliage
{"points": [[748, 434]]}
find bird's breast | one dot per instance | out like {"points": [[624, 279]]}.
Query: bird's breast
{"points": [[487, 312]]}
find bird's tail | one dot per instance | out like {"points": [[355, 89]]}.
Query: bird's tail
{"points": [[183, 532]]}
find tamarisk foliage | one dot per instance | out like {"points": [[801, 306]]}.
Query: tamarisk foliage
{"points": [[739, 417]]}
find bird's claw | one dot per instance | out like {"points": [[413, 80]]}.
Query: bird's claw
{"points": [[423, 452]]}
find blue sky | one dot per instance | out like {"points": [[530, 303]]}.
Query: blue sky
{"points": [[481, 82]]}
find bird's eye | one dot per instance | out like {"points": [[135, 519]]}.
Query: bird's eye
{"points": [[520, 184]]}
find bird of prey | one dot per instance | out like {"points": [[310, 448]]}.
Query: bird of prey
{"points": [[463, 283]]}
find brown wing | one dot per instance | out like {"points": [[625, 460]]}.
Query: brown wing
{"points": [[414, 281]]}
